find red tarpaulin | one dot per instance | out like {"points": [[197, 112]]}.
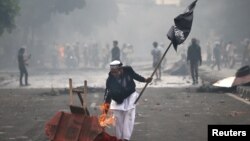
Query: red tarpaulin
{"points": [[76, 127]]}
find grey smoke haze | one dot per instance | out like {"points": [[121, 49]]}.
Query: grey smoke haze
{"points": [[139, 22]]}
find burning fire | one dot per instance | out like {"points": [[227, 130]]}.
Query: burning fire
{"points": [[106, 119], [61, 51]]}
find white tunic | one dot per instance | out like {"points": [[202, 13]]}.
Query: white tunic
{"points": [[126, 105], [125, 116]]}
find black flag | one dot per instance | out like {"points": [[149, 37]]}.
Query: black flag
{"points": [[183, 23]]}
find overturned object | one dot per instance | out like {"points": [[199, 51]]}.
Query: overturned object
{"points": [[76, 127], [241, 77]]}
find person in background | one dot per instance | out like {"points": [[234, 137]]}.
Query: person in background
{"points": [[209, 54], [22, 63], [105, 55], [246, 52], [194, 59], [115, 52], [231, 51], [216, 55], [156, 53], [120, 94], [164, 61], [77, 53]]}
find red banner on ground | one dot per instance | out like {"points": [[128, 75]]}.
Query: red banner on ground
{"points": [[75, 127]]}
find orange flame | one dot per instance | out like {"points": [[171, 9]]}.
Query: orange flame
{"points": [[106, 119], [61, 51]]}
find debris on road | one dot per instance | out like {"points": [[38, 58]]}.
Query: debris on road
{"points": [[77, 125], [242, 77], [236, 113]]}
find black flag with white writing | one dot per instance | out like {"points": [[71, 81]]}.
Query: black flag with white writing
{"points": [[183, 23]]}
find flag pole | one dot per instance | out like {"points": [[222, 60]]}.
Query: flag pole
{"points": [[159, 63]]}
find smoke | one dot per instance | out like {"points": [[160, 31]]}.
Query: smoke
{"points": [[139, 23]]}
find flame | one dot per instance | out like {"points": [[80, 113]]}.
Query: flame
{"points": [[106, 119], [61, 51]]}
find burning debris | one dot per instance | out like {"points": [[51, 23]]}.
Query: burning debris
{"points": [[106, 119], [79, 125]]}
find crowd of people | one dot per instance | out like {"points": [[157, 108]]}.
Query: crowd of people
{"points": [[90, 55], [228, 54], [218, 54]]}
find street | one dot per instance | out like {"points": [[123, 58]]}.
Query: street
{"points": [[171, 114], [181, 114], [171, 109]]}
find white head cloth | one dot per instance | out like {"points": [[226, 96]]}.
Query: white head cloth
{"points": [[115, 64]]}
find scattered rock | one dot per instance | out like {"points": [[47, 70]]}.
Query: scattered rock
{"points": [[236, 113], [221, 101], [187, 115], [139, 115]]}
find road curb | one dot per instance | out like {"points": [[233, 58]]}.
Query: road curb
{"points": [[243, 92]]}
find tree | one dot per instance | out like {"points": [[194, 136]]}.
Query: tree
{"points": [[9, 9]]}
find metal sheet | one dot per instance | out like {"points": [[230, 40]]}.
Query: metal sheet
{"points": [[226, 82]]}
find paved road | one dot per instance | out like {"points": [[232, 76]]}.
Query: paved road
{"points": [[170, 109], [181, 114], [162, 114]]}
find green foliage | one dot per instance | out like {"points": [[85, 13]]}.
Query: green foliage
{"points": [[9, 9]]}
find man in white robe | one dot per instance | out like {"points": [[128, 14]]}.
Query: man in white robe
{"points": [[121, 94]]}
